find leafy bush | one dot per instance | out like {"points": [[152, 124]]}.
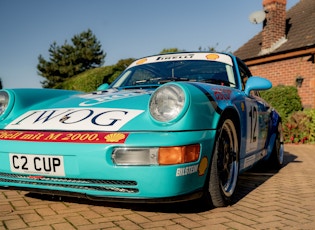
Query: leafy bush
{"points": [[300, 127], [91, 79], [285, 99], [87, 81]]}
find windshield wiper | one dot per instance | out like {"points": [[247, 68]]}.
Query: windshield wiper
{"points": [[151, 86], [139, 82], [160, 80], [165, 80]]}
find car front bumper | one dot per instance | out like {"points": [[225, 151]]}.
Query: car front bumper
{"points": [[90, 172]]}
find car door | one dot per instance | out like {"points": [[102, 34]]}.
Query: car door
{"points": [[257, 116]]}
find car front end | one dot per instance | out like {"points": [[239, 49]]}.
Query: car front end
{"points": [[153, 151]]}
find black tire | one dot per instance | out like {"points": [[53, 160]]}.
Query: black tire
{"points": [[276, 158], [224, 168]]}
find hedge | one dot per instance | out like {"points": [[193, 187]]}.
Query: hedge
{"points": [[285, 99], [298, 124]]}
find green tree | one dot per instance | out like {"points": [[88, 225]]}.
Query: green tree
{"points": [[171, 50], [69, 60], [118, 68], [214, 49]]}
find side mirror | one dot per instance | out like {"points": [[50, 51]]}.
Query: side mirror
{"points": [[103, 86], [257, 83]]}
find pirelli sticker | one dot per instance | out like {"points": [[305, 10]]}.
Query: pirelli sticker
{"points": [[75, 137]]}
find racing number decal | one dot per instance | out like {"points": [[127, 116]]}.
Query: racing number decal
{"points": [[253, 115], [252, 128]]}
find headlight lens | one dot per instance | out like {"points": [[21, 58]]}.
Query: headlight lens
{"points": [[167, 102], [4, 101]]}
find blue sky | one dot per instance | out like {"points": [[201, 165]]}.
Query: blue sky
{"points": [[125, 29]]}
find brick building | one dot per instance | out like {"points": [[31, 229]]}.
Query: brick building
{"points": [[284, 51]]}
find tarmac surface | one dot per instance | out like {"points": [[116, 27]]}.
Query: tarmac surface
{"points": [[265, 200]]}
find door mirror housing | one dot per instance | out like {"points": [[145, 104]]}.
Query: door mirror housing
{"points": [[103, 86], [257, 83]]}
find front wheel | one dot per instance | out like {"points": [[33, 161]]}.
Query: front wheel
{"points": [[224, 165]]}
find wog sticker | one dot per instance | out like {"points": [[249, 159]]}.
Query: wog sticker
{"points": [[96, 119]]}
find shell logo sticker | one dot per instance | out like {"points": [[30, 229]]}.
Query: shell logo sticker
{"points": [[203, 166], [114, 137], [141, 61], [212, 56]]}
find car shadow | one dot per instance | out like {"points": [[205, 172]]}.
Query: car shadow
{"points": [[248, 182], [258, 175]]}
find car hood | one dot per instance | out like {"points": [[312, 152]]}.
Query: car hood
{"points": [[109, 110]]}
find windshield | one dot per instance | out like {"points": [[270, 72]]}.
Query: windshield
{"points": [[157, 73]]}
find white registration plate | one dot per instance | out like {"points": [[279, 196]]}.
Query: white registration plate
{"points": [[37, 164]]}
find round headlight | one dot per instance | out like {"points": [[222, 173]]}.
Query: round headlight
{"points": [[167, 102], [4, 101]]}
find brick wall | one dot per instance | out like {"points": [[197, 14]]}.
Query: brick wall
{"points": [[285, 73], [274, 27]]}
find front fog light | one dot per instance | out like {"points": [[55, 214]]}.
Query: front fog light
{"points": [[135, 156]]}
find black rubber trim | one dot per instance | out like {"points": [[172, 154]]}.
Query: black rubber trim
{"points": [[210, 98], [181, 198]]}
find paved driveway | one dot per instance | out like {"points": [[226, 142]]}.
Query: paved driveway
{"points": [[265, 200]]}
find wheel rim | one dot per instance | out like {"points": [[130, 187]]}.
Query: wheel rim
{"points": [[280, 146], [280, 154], [228, 163]]}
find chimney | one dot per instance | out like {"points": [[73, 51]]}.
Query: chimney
{"points": [[274, 28]]}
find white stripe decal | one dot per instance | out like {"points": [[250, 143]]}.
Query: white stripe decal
{"points": [[98, 119]]}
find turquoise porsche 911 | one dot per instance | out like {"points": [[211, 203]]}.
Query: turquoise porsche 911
{"points": [[172, 127]]}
